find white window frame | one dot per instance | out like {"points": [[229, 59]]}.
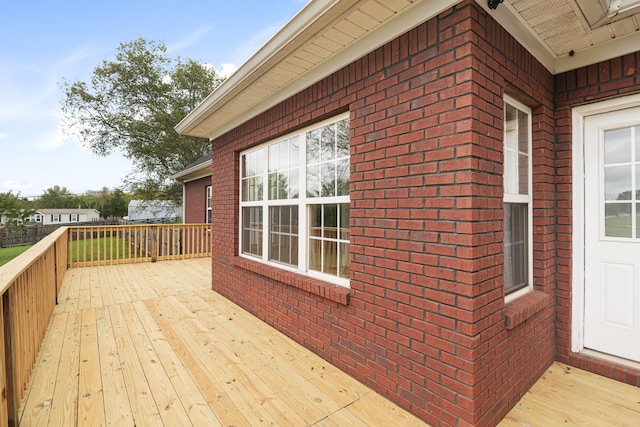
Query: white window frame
{"points": [[209, 206], [302, 201], [55, 217], [522, 198], [73, 217]]}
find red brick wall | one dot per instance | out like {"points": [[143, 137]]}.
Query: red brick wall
{"points": [[425, 322], [608, 79], [195, 200]]}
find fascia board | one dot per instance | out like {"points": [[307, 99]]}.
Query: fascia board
{"points": [[420, 12]]}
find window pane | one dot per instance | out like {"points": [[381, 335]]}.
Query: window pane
{"points": [[516, 246], [330, 222], [617, 220], [251, 164], [523, 132], [252, 231], [328, 179], [273, 157], [315, 254], [516, 151], [617, 183], [294, 186], [313, 146], [273, 186], [294, 152], [328, 142], [343, 175], [283, 155], [252, 176], [313, 181], [342, 149], [638, 182], [511, 172], [283, 169], [345, 230], [328, 160], [315, 220], [617, 146], [523, 174], [328, 244], [510, 127], [283, 234], [330, 257], [344, 260]]}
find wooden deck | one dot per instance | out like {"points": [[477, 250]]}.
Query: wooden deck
{"points": [[566, 396], [152, 345]]}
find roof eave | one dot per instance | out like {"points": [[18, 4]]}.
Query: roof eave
{"points": [[315, 16], [196, 172]]}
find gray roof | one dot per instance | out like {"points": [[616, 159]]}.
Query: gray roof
{"points": [[66, 211]]}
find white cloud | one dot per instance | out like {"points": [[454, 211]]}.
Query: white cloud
{"points": [[4, 135], [189, 39], [227, 69]]}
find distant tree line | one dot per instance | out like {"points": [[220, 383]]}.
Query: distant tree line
{"points": [[110, 203]]}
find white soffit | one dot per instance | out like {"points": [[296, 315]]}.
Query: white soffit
{"points": [[324, 37], [569, 34]]}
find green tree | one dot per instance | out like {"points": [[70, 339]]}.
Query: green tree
{"points": [[57, 197], [132, 104], [109, 203], [14, 209]]}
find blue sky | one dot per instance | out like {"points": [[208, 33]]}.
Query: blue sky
{"points": [[44, 42]]}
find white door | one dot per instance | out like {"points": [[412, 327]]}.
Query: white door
{"points": [[612, 233]]}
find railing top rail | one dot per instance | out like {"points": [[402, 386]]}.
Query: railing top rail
{"points": [[10, 271], [141, 225]]}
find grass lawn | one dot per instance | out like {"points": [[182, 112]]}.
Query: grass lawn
{"points": [[7, 254], [98, 249]]}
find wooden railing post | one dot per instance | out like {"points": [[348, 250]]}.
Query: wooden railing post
{"points": [[4, 371], [154, 243]]}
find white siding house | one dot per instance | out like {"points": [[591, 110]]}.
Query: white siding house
{"points": [[65, 216]]}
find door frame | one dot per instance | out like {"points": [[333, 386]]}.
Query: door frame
{"points": [[579, 114]]}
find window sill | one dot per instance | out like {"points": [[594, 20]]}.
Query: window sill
{"points": [[521, 309], [335, 293]]}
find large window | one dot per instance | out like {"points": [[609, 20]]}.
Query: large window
{"points": [[517, 198], [294, 201]]}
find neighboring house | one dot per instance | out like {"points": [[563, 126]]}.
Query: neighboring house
{"points": [[63, 216], [438, 197], [153, 211], [196, 191]]}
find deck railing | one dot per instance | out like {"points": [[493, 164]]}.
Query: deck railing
{"points": [[29, 286], [95, 245], [30, 283]]}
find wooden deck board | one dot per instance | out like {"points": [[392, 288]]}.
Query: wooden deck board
{"points": [[143, 406], [91, 402], [150, 344], [116, 399], [44, 380], [64, 402], [569, 396]]}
